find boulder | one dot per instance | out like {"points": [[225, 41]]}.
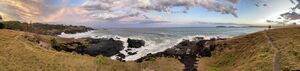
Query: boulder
{"points": [[127, 50], [132, 53], [198, 38], [104, 46], [120, 57], [133, 43]]}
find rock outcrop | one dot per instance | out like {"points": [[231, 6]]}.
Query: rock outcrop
{"points": [[134, 43], [187, 51], [103, 46]]}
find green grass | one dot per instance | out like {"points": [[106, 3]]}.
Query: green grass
{"points": [[102, 60], [214, 69]]}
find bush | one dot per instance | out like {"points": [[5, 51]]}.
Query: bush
{"points": [[39, 28], [1, 25], [101, 60], [215, 69], [13, 25], [55, 44], [30, 38]]}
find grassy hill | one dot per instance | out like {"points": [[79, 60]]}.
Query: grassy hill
{"points": [[253, 52], [17, 52], [247, 53]]}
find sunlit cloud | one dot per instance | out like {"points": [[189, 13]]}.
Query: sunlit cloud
{"points": [[69, 15], [26, 9], [118, 11]]}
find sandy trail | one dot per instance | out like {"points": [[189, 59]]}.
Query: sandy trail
{"points": [[276, 61]]}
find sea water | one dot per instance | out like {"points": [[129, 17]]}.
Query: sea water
{"points": [[160, 39]]}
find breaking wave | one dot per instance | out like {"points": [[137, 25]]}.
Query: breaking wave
{"points": [[152, 45]]}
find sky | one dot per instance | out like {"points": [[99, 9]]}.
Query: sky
{"points": [[151, 13]]}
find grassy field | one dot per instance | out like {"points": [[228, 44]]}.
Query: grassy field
{"points": [[18, 53], [253, 52], [243, 53]]}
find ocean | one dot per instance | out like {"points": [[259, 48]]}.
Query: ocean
{"points": [[160, 39]]}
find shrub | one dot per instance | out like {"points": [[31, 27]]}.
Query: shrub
{"points": [[55, 44], [30, 38], [215, 69], [14, 25], [152, 59], [101, 60], [1, 25]]}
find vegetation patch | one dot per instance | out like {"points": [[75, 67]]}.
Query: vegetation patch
{"points": [[102, 60]]}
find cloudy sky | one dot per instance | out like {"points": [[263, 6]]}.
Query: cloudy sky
{"points": [[112, 13]]}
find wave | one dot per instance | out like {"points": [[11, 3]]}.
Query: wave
{"points": [[160, 34], [151, 46], [78, 35]]}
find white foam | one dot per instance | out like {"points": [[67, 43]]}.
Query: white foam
{"points": [[77, 35]]}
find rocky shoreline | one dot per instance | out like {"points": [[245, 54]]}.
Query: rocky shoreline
{"points": [[102, 46], [187, 51], [198, 47]]}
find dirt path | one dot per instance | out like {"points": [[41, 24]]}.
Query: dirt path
{"points": [[276, 61]]}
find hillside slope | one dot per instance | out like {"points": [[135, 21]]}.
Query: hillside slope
{"points": [[18, 53], [253, 52]]}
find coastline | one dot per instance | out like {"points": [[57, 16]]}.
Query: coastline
{"points": [[133, 54]]}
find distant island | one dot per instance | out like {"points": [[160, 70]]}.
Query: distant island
{"points": [[243, 26]]}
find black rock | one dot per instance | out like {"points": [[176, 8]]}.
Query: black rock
{"points": [[122, 56], [133, 43], [74, 31], [105, 47], [128, 50], [132, 53], [184, 43], [198, 38]]}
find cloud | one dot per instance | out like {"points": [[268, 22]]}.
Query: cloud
{"points": [[297, 4], [234, 1], [141, 6], [25, 9], [290, 16], [70, 15], [106, 10]]}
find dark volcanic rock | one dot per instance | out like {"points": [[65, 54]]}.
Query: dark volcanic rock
{"points": [[127, 50], [198, 47], [187, 52], [74, 31], [133, 43], [105, 47], [187, 47], [132, 53], [120, 57]]}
